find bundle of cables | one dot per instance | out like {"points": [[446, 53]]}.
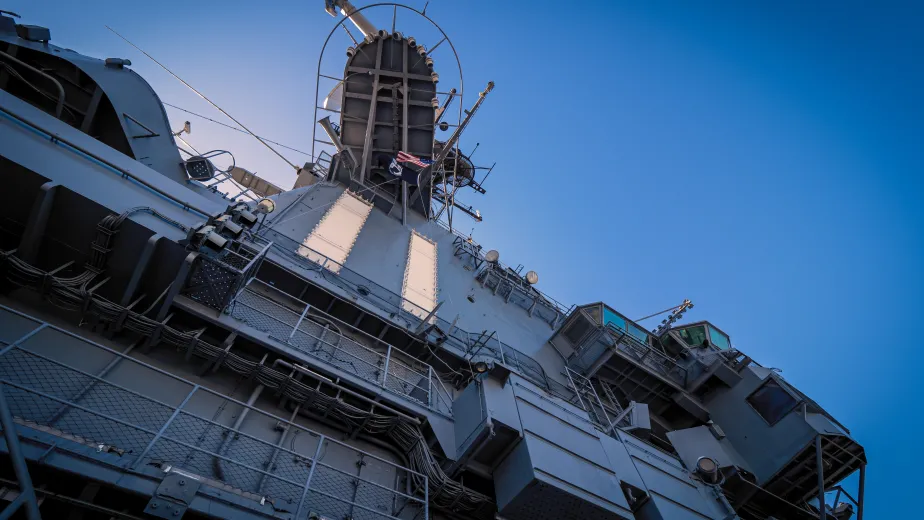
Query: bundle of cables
{"points": [[73, 294]]}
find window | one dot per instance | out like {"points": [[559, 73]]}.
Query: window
{"points": [[594, 312], [670, 345], [611, 317], [772, 401], [638, 334], [693, 336], [577, 330], [718, 339]]}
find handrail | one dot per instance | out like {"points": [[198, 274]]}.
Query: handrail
{"points": [[619, 335], [444, 396], [26, 490], [506, 270], [159, 436], [387, 358], [459, 342], [558, 305], [312, 336], [325, 316], [59, 109], [16, 345]]}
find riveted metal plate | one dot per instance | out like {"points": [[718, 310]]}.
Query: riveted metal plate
{"points": [[173, 496]]}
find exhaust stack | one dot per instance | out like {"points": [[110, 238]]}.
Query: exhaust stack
{"points": [[331, 133]]}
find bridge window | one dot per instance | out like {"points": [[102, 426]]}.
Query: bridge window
{"points": [[638, 334], [693, 336], [772, 401], [719, 339], [610, 317]]}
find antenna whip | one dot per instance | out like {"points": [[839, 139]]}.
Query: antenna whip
{"points": [[200, 94]]}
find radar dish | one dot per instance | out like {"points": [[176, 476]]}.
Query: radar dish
{"points": [[492, 256], [459, 172], [532, 277], [332, 101]]}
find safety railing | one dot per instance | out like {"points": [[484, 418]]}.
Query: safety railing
{"points": [[213, 281], [589, 400], [59, 104], [563, 392], [490, 347], [146, 416], [506, 283], [392, 303], [647, 356], [344, 277], [476, 249], [26, 498], [312, 332]]}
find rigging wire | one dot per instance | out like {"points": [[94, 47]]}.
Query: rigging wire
{"points": [[209, 101], [235, 128], [675, 307]]}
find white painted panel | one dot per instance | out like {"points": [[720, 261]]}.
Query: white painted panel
{"points": [[419, 289], [336, 233]]}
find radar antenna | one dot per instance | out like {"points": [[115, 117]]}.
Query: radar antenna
{"points": [[390, 108], [676, 313]]}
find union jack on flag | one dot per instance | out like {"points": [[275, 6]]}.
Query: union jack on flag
{"points": [[406, 157]]}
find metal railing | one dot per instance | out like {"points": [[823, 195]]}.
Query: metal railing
{"points": [[346, 278], [155, 418], [589, 400], [59, 104], [26, 498], [647, 356], [387, 367], [490, 347], [563, 309], [386, 300], [514, 289], [213, 281]]}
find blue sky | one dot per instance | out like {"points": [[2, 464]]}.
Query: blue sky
{"points": [[764, 161]]}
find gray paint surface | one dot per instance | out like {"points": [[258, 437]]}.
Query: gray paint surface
{"points": [[766, 448], [91, 179], [559, 464], [132, 98]]}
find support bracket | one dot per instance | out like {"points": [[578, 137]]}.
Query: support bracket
{"points": [[172, 497]]}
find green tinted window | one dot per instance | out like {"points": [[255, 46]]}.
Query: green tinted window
{"points": [[693, 336], [671, 345], [718, 339], [611, 317]]}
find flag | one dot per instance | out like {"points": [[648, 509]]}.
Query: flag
{"points": [[405, 174], [406, 157]]}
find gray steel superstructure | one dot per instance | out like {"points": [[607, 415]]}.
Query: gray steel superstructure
{"points": [[339, 350]]}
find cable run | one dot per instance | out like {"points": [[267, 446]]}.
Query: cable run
{"points": [[73, 294]]}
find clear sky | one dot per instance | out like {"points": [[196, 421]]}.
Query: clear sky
{"points": [[764, 161]]}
